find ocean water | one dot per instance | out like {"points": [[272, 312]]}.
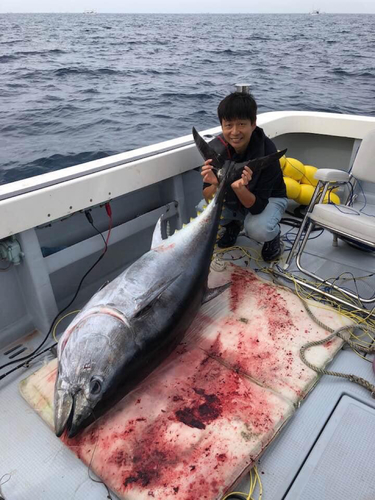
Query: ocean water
{"points": [[76, 87]]}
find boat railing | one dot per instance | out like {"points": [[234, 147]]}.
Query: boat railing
{"points": [[38, 200]]}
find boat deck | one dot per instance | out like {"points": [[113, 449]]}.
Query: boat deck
{"points": [[290, 468]]}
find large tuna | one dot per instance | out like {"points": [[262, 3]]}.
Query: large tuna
{"points": [[132, 324]]}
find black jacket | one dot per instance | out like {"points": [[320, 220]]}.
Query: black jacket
{"points": [[265, 184]]}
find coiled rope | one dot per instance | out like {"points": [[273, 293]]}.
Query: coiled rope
{"points": [[338, 333]]}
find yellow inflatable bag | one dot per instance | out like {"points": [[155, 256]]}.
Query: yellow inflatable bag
{"points": [[282, 162], [308, 177], [294, 169], [292, 188], [305, 194], [331, 198]]}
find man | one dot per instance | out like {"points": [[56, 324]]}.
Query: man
{"points": [[256, 200]]}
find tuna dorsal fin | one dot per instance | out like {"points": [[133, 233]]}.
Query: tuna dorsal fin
{"points": [[144, 301], [157, 238], [211, 293]]}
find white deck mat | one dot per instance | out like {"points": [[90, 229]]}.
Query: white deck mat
{"points": [[213, 408]]}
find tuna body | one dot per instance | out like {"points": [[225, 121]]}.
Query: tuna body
{"points": [[130, 326]]}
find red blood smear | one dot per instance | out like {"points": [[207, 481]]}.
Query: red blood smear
{"points": [[241, 285], [156, 456], [201, 413], [52, 376], [79, 443], [258, 345], [142, 453], [164, 248]]}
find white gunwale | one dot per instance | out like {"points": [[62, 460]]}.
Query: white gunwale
{"points": [[31, 202]]}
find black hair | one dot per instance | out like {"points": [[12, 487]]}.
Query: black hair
{"points": [[237, 106]]}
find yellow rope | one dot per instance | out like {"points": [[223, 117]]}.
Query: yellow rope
{"points": [[251, 489], [238, 493], [260, 483], [254, 480], [59, 321], [352, 315]]}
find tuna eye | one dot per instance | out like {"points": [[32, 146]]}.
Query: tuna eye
{"points": [[95, 386]]}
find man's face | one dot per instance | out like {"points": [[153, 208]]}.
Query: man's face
{"points": [[238, 133]]}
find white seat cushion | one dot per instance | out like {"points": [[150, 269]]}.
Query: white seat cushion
{"points": [[345, 219]]}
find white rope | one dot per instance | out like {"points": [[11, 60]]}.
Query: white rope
{"points": [[2, 482]]}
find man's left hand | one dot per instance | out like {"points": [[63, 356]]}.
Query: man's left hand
{"points": [[246, 177]]}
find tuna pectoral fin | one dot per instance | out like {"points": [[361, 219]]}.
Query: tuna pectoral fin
{"points": [[211, 293], [145, 300], [103, 285]]}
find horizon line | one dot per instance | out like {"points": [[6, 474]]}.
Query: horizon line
{"points": [[187, 13]]}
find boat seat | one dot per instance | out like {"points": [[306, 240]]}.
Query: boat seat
{"points": [[345, 219], [341, 220]]}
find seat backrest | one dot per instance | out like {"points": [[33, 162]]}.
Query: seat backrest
{"points": [[364, 163]]}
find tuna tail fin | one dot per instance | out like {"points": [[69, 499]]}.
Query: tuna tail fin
{"points": [[221, 167], [207, 152]]}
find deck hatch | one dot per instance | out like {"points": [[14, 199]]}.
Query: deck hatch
{"points": [[341, 461]]}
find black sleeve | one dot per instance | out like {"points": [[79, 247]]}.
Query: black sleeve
{"points": [[269, 183], [264, 186]]}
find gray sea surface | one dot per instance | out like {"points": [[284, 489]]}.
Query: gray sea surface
{"points": [[77, 87]]}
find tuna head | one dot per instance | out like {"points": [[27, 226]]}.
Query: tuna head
{"points": [[90, 359]]}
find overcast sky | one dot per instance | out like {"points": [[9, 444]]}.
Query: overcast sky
{"points": [[183, 6]]}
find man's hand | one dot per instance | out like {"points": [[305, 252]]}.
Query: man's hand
{"points": [[246, 177], [208, 176], [245, 196]]}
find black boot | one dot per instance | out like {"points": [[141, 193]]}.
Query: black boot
{"points": [[272, 249], [229, 238]]}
